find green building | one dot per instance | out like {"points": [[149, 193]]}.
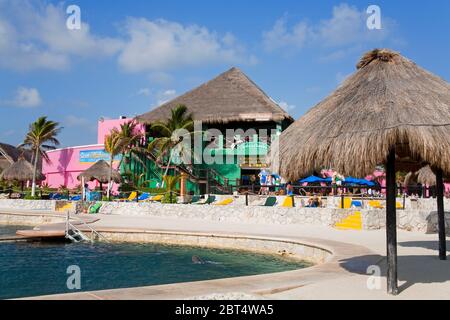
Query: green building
{"points": [[243, 121]]}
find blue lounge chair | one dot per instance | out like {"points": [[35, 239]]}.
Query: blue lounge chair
{"points": [[356, 204], [144, 197]]}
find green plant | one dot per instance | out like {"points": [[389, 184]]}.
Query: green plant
{"points": [[170, 189], [167, 138], [29, 196], [40, 138], [131, 149], [114, 146]]}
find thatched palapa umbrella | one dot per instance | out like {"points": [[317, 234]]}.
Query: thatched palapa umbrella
{"points": [[100, 171], [391, 112], [21, 171], [424, 176]]}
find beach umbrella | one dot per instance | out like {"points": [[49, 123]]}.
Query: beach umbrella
{"points": [[424, 176], [100, 171], [21, 171], [390, 112], [359, 182], [312, 179]]}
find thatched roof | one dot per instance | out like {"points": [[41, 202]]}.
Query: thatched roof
{"points": [[21, 170], [424, 176], [231, 96], [100, 172], [9, 154], [389, 101]]}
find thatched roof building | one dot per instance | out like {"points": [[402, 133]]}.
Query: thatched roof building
{"points": [[10, 154], [230, 97], [21, 171], [425, 176], [389, 101], [100, 172]]}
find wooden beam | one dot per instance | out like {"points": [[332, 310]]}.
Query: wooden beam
{"points": [[391, 225], [441, 214]]}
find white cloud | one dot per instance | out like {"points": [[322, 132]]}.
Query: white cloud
{"points": [[347, 26], [143, 92], [25, 98], [33, 35], [286, 106], [280, 37], [161, 45]]}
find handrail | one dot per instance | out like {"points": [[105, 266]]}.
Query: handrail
{"points": [[85, 224]]}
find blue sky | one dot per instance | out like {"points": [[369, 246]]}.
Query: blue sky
{"points": [[129, 56]]}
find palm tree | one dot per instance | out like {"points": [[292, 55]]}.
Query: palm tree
{"points": [[170, 188], [131, 139], [40, 138], [167, 140], [114, 145]]}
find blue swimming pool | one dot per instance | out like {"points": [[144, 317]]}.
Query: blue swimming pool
{"points": [[30, 269]]}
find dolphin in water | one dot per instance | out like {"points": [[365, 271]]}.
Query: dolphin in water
{"points": [[197, 260]]}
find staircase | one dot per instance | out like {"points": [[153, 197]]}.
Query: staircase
{"points": [[75, 235], [352, 222]]}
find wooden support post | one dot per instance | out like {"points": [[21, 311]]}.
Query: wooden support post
{"points": [[441, 214], [391, 225], [293, 201], [246, 198], [404, 201], [342, 201]]}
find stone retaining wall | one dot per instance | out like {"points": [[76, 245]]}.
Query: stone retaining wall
{"points": [[287, 249], [244, 214], [411, 220], [422, 218], [44, 205]]}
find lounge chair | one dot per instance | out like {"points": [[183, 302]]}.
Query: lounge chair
{"points": [[347, 203], [144, 197], [195, 199], [375, 204], [75, 198], [356, 204], [131, 197], [156, 198], [208, 200], [224, 202], [55, 196], [288, 202], [270, 202], [95, 208]]}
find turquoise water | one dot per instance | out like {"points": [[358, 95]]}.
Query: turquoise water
{"points": [[30, 269]]}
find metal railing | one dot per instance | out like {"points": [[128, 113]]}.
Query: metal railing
{"points": [[69, 226]]}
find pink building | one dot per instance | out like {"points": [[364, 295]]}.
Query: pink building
{"points": [[67, 163]]}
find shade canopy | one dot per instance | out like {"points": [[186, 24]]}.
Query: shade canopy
{"points": [[100, 171], [21, 170], [389, 101], [314, 179], [424, 176], [359, 182]]}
